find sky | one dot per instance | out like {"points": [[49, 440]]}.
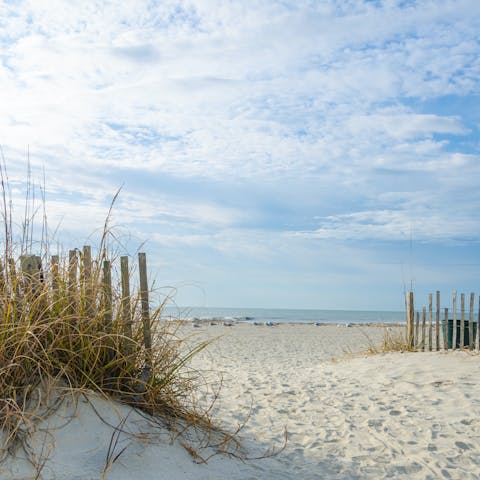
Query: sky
{"points": [[276, 153]]}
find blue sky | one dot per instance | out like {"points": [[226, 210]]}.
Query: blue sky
{"points": [[297, 154]]}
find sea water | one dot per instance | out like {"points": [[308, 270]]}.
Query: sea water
{"points": [[265, 315]]}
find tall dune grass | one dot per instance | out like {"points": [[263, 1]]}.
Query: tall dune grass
{"points": [[55, 334]]}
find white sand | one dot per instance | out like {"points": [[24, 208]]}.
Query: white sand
{"points": [[402, 416]]}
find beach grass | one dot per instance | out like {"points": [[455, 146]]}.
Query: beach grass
{"points": [[60, 338], [394, 340]]}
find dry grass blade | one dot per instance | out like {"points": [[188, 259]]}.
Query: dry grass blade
{"points": [[112, 454]]}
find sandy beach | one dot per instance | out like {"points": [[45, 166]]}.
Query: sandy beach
{"points": [[346, 414]]}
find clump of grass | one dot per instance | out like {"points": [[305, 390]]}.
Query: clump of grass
{"points": [[60, 329], [394, 340]]}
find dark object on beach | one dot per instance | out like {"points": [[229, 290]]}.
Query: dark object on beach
{"points": [[466, 332], [196, 325], [258, 323], [271, 324], [213, 323], [227, 324]]}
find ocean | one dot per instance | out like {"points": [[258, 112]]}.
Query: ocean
{"points": [[265, 315]]}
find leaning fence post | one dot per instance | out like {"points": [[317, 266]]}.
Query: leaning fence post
{"points": [[454, 331], [142, 267], [411, 317], [126, 308]]}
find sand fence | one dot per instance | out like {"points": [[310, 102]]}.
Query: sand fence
{"points": [[85, 278], [446, 329]]}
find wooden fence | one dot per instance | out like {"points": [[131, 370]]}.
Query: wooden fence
{"points": [[436, 328], [80, 277]]}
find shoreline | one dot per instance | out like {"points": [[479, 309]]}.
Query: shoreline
{"points": [[221, 322]]}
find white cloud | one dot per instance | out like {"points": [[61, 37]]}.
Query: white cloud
{"points": [[343, 110], [422, 224], [404, 126]]}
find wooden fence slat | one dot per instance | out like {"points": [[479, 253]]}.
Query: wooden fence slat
{"points": [[54, 277], [142, 266], [411, 316], [471, 339], [2, 277], [462, 320], [32, 273], [478, 323], [87, 280], [72, 278], [430, 322], [437, 322], [126, 307], [107, 295], [11, 265], [445, 331], [424, 319], [15, 283], [454, 314], [417, 325]]}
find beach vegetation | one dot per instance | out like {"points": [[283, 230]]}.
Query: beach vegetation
{"points": [[62, 336], [394, 340]]}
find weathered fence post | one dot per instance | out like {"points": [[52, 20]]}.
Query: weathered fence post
{"points": [[462, 320], [471, 338], [424, 319], [445, 331], [107, 295], [430, 322], [31, 266], [2, 275], [72, 278], [14, 279], [417, 325], [55, 273], [437, 322], [87, 280], [3, 290], [454, 311], [126, 308], [147, 335], [32, 273], [411, 317], [11, 267]]}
